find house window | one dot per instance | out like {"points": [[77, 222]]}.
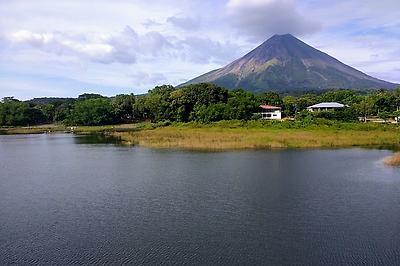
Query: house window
{"points": [[268, 115]]}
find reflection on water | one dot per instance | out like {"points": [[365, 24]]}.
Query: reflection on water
{"points": [[65, 203], [97, 139]]}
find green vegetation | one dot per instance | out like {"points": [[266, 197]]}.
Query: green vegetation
{"points": [[97, 111], [203, 103], [16, 113]]}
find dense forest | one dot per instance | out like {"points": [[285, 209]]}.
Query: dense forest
{"points": [[201, 102]]}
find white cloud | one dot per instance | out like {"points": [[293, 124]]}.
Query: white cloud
{"points": [[203, 50], [123, 47], [62, 44], [148, 79], [126, 46], [185, 23], [259, 19], [33, 38]]}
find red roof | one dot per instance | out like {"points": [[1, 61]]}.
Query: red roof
{"points": [[265, 106]]}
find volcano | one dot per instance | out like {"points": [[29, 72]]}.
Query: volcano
{"points": [[285, 63]]}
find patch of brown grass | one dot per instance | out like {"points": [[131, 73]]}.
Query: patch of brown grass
{"points": [[240, 138], [393, 160]]}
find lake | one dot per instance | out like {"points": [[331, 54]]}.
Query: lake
{"points": [[68, 199]]}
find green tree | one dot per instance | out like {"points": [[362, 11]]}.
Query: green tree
{"points": [[396, 94], [48, 111], [271, 98], [209, 113], [202, 94], [384, 115], [179, 103], [289, 106], [241, 105], [62, 112], [365, 107], [155, 105], [92, 112], [17, 113], [123, 107], [341, 96], [303, 101], [346, 114], [384, 101], [87, 96], [205, 93]]}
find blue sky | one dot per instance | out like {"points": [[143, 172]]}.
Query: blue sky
{"points": [[65, 48]]}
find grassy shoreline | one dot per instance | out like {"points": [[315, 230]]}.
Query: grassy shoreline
{"points": [[53, 128], [236, 135], [234, 139]]}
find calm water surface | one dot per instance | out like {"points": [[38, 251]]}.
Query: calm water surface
{"points": [[66, 200]]}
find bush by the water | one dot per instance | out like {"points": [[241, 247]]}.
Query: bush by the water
{"points": [[393, 160]]}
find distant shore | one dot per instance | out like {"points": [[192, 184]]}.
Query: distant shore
{"points": [[236, 135], [54, 128]]}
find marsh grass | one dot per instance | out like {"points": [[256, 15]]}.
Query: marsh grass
{"points": [[221, 138], [393, 160]]}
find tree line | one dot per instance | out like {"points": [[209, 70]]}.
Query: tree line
{"points": [[199, 102]]}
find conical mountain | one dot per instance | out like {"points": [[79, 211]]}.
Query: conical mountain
{"points": [[285, 63]]}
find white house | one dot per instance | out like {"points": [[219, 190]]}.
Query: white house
{"points": [[325, 107], [271, 112]]}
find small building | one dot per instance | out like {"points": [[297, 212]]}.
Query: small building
{"points": [[270, 112], [329, 106]]}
